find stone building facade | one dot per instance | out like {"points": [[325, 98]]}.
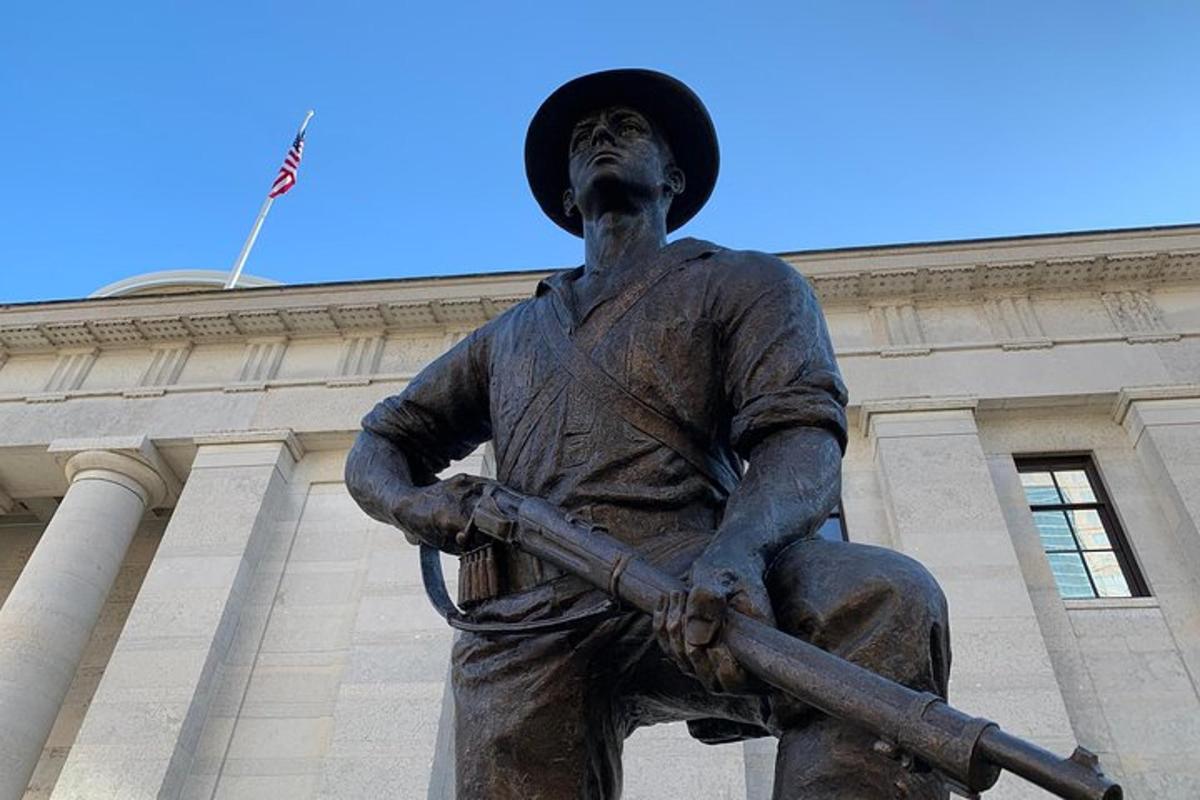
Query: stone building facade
{"points": [[194, 608]]}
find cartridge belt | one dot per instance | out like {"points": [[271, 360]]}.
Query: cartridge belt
{"points": [[493, 570]]}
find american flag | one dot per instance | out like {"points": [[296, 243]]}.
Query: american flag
{"points": [[286, 178]]}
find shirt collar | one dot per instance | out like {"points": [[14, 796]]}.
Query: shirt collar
{"points": [[557, 281]]}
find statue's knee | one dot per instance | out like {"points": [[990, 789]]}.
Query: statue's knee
{"points": [[872, 605], [916, 591], [918, 624]]}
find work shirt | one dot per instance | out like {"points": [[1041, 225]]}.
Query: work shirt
{"points": [[730, 345]]}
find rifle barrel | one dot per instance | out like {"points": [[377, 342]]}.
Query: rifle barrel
{"points": [[1065, 777]]}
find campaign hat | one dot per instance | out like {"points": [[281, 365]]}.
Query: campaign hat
{"points": [[673, 107]]}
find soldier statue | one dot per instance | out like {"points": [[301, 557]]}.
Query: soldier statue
{"points": [[685, 397]]}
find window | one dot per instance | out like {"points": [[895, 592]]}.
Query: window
{"points": [[834, 526], [1080, 534]]}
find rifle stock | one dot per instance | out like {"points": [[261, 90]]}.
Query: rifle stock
{"points": [[969, 752]]}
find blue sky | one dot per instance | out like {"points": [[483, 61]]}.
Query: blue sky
{"points": [[140, 136]]}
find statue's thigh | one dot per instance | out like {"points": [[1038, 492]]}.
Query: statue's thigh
{"points": [[528, 721], [873, 606]]}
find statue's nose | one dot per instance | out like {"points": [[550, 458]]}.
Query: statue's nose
{"points": [[601, 133]]}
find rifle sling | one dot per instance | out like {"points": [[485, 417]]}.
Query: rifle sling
{"points": [[612, 395], [439, 598]]}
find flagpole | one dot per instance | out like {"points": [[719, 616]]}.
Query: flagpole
{"points": [[236, 272]]}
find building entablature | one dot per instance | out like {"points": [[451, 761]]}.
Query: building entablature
{"points": [[861, 277]]}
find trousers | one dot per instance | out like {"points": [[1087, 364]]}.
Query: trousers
{"points": [[544, 717]]}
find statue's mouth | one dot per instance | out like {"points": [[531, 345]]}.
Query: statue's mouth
{"points": [[596, 158]]}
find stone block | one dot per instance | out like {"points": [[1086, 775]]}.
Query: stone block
{"points": [[306, 628], [272, 738], [114, 773], [664, 763], [421, 657], [357, 777], [393, 569], [257, 787], [335, 540], [383, 721], [314, 584], [291, 691], [388, 619]]}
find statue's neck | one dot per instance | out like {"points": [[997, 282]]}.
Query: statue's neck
{"points": [[615, 241]]}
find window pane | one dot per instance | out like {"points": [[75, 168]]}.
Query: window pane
{"points": [[1039, 488], [1075, 486], [1106, 573], [831, 529], [1070, 575], [1056, 534], [1089, 530]]}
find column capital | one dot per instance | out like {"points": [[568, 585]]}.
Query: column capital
{"points": [[223, 449], [131, 461], [925, 409], [284, 436], [1128, 396]]}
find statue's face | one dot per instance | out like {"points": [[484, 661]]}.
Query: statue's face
{"points": [[618, 147]]}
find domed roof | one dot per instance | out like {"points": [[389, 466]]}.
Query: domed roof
{"points": [[177, 281]]}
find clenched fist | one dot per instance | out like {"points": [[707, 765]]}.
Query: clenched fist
{"points": [[688, 624]]}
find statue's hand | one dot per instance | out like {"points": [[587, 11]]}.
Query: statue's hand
{"points": [[437, 513], [688, 625]]}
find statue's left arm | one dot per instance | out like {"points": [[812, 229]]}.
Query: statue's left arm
{"points": [[787, 401]]}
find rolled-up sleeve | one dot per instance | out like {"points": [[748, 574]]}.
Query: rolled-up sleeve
{"points": [[442, 415], [779, 366]]}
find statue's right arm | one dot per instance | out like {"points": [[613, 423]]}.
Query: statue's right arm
{"points": [[407, 439], [378, 476], [380, 480]]}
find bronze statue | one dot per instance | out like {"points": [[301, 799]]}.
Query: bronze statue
{"points": [[685, 398]]}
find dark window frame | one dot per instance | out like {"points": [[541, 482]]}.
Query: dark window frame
{"points": [[1104, 508]]}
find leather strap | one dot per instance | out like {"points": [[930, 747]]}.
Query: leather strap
{"points": [[674, 255], [439, 598], [612, 395]]}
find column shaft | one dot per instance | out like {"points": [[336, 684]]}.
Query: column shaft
{"points": [[1164, 426], [944, 511], [48, 617], [139, 738]]}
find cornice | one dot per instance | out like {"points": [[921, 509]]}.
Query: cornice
{"points": [[976, 281], [448, 304], [200, 326]]}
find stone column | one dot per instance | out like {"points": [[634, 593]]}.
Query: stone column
{"points": [[139, 738], [1164, 425], [944, 512], [48, 617]]}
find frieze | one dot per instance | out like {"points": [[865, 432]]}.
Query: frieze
{"points": [[70, 371], [1014, 323], [165, 365], [360, 356], [1135, 314], [900, 329]]}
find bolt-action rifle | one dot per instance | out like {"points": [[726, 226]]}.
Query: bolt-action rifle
{"points": [[918, 728]]}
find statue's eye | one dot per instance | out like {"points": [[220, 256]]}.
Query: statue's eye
{"points": [[631, 129], [578, 139]]}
